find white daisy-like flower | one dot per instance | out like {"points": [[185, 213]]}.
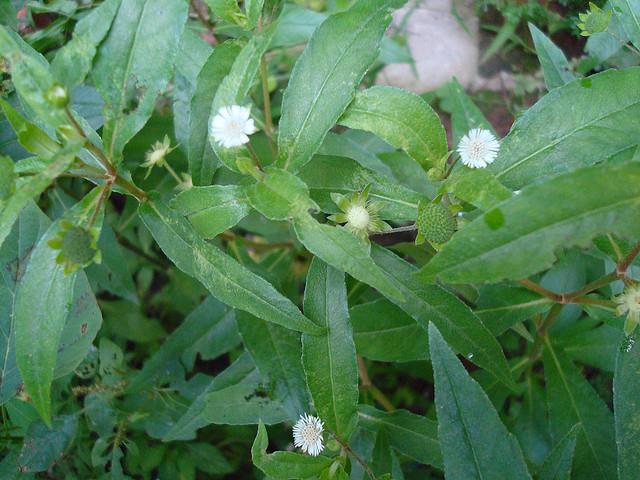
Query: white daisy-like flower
{"points": [[478, 148], [629, 303], [231, 126], [307, 434]]}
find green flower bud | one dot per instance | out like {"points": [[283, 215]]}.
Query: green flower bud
{"points": [[57, 96], [435, 174], [78, 245], [594, 21], [436, 223]]}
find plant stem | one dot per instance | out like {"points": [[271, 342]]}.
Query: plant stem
{"points": [[453, 164], [268, 126], [104, 193], [347, 449], [534, 287], [203, 20], [408, 228], [630, 47], [255, 157], [607, 279], [542, 330], [624, 264], [232, 237], [368, 386]]}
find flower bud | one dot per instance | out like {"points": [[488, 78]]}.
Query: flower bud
{"points": [[436, 223], [57, 96]]}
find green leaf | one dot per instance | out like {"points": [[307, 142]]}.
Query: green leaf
{"points": [[276, 352], [475, 443], [571, 400], [254, 9], [30, 136], [402, 119], [384, 332], [228, 10], [225, 278], [465, 115], [44, 445], [198, 324], [557, 466], [236, 86], [284, 465], [280, 195], [325, 77], [73, 62], [202, 160], [628, 12], [9, 465], [555, 67], [241, 371], [410, 434], [568, 210], [31, 77], [42, 304], [330, 360], [243, 404], [431, 303], [213, 209], [626, 401], [476, 186], [134, 65], [545, 141], [326, 175], [381, 456], [341, 249]]}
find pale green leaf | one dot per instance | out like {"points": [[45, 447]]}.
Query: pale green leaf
{"points": [[476, 186], [555, 67], [242, 404], [628, 12], [475, 443], [225, 278], [329, 360], [577, 125], [325, 77], [284, 465], [280, 195], [401, 118], [465, 115], [568, 210]]}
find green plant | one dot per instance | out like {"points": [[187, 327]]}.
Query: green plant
{"points": [[179, 284]]}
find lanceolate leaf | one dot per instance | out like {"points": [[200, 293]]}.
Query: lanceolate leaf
{"points": [[43, 300], [276, 352], [571, 400], [580, 124], [330, 360], [568, 210], [225, 278], [410, 434], [341, 249], [213, 209], [202, 160], [465, 115], [236, 86], [476, 186], [243, 404], [285, 465], [555, 67], [280, 195], [557, 466], [431, 303], [34, 186], [134, 65], [475, 443], [628, 12], [325, 77], [401, 118], [626, 401], [326, 175]]}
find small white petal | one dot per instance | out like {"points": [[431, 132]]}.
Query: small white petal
{"points": [[307, 434], [231, 126], [478, 148]]}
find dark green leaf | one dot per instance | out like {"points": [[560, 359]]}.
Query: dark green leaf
{"points": [[381, 458], [326, 175], [431, 303], [555, 67], [384, 332], [242, 404], [224, 277], [626, 400], [330, 360], [134, 65], [276, 352], [475, 443], [476, 186], [546, 141], [202, 160], [213, 209], [410, 434], [557, 466], [568, 210], [465, 115], [326, 76], [572, 400], [44, 445], [401, 118], [284, 465]]}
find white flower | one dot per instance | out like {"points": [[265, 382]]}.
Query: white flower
{"points": [[307, 434], [231, 126], [629, 303], [478, 148]]}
